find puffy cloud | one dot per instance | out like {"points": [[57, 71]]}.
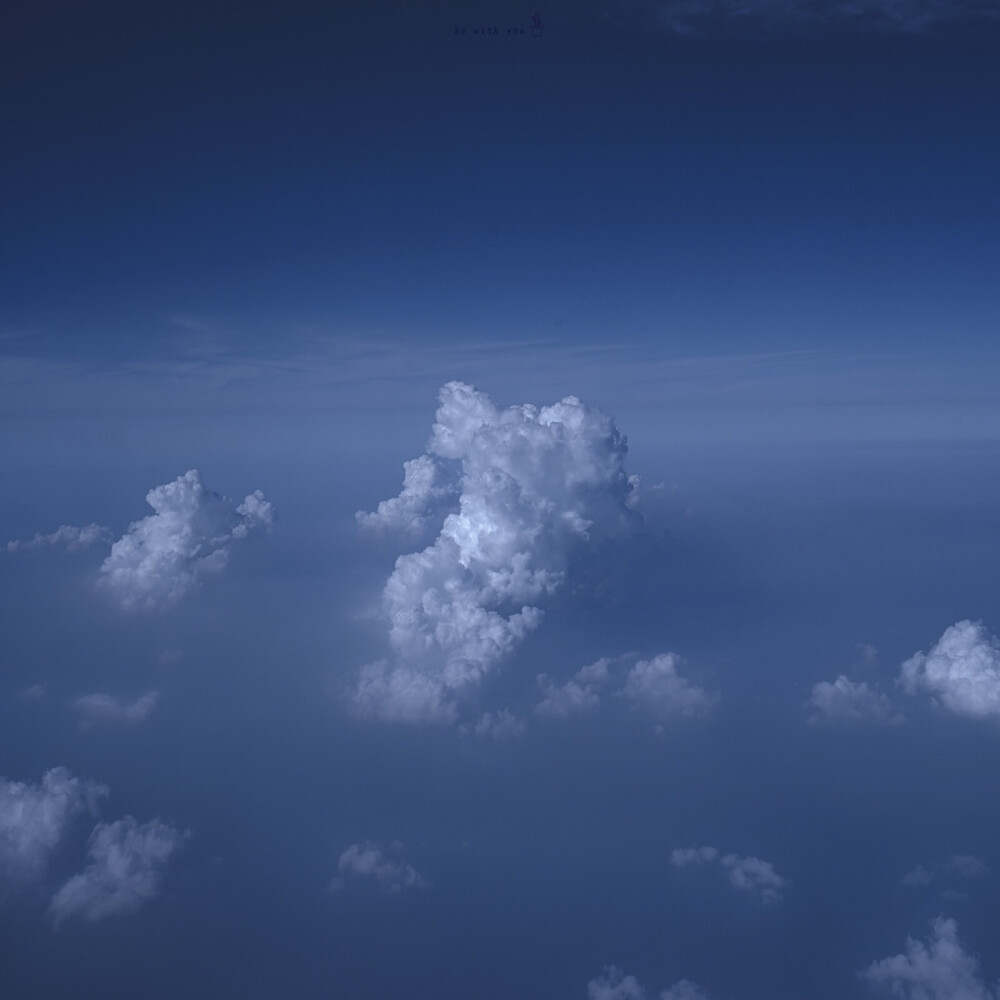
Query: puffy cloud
{"points": [[127, 864], [34, 818], [962, 671], [105, 708], [613, 984], [523, 488], [848, 703], [938, 970], [579, 695], [656, 686], [165, 555], [371, 861], [74, 539], [747, 874], [963, 866]]}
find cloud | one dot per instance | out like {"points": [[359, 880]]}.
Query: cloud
{"points": [[656, 686], [164, 556], [34, 818], [746, 874], [74, 539], [938, 970], [105, 708], [371, 861], [501, 725], [613, 984], [847, 703], [961, 672], [517, 491], [964, 866], [127, 864], [578, 696]]}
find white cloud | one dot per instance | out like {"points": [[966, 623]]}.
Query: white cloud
{"points": [[684, 990], [938, 970], [848, 703], [501, 725], [164, 556], [656, 686], [747, 874], [371, 860], [962, 671], [127, 864], [578, 696], [963, 866], [73, 538], [613, 984], [34, 818], [529, 485], [105, 708]]}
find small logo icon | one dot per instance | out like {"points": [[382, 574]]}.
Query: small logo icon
{"points": [[536, 25]]}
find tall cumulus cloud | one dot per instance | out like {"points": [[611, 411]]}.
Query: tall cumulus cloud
{"points": [[515, 492], [164, 556]]}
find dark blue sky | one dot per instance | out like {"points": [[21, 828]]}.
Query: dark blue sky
{"points": [[277, 245]]}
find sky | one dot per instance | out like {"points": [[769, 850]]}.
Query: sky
{"points": [[500, 501]]}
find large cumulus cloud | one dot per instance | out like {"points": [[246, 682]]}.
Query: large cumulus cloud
{"points": [[164, 556], [515, 491], [962, 671]]}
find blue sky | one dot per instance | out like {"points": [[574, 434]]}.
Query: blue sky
{"points": [[684, 687]]}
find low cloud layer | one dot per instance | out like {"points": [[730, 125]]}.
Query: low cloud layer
{"points": [[849, 703], [34, 819], [961, 672], [371, 862], [747, 874], [514, 492], [127, 862], [164, 556], [941, 969], [613, 984], [95, 709]]}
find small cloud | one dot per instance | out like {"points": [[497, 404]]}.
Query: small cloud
{"points": [[580, 695], [961, 672], [164, 557], [941, 969], [502, 725], [959, 866], [105, 708], [169, 657], [848, 703], [867, 653], [66, 536], [34, 819], [371, 862], [656, 686], [128, 860], [747, 874], [34, 692], [613, 984]]}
